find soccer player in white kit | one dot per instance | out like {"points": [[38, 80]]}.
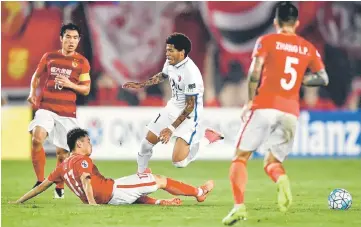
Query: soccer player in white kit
{"points": [[183, 112]]}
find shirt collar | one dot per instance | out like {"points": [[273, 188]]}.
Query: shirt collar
{"points": [[182, 62]]}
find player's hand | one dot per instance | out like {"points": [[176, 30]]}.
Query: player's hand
{"points": [[245, 111], [32, 99], [64, 81], [133, 85], [165, 135]]}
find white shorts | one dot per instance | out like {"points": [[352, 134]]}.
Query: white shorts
{"points": [[56, 126], [189, 130], [127, 190], [268, 130]]}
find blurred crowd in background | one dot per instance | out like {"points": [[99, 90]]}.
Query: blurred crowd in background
{"points": [[125, 41]]}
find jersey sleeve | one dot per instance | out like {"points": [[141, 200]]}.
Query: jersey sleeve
{"points": [[85, 165], [55, 176], [84, 76], [260, 48], [316, 63], [191, 85], [42, 64], [165, 68]]}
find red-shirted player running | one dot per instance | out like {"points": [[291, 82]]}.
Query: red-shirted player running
{"points": [[275, 78], [67, 73], [83, 178]]}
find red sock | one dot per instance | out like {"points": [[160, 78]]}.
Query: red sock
{"points": [[60, 184], [178, 188], [38, 158], [238, 176], [274, 170]]}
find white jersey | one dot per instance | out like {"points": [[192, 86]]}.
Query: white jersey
{"points": [[185, 79]]}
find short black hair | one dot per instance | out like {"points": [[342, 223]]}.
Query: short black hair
{"points": [[73, 135], [286, 13], [180, 42], [69, 26]]}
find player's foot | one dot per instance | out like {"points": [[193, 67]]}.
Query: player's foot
{"points": [[213, 136], [37, 184], [236, 214], [171, 202], [207, 188], [284, 193], [59, 193]]}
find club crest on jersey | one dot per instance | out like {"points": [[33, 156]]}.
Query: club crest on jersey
{"points": [[75, 63], [84, 164], [179, 78]]}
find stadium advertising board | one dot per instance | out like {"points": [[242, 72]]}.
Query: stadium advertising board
{"points": [[116, 133]]}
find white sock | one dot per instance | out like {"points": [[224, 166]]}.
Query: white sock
{"points": [[144, 155], [200, 192]]}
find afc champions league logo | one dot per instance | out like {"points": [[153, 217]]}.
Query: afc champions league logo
{"points": [[95, 130]]}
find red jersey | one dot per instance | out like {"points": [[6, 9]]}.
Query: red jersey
{"points": [[71, 170], [56, 98], [286, 59]]}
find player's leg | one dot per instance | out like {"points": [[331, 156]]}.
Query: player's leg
{"points": [[38, 157], [40, 127], [163, 202], [250, 137], [187, 143], [175, 187], [146, 151], [62, 126], [61, 155], [277, 147], [155, 126]]}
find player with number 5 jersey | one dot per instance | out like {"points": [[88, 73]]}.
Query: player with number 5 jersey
{"points": [[269, 120], [65, 73]]}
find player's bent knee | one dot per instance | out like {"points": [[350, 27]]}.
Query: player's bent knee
{"points": [[181, 164], [161, 181], [152, 138], [269, 159], [61, 154], [36, 141]]}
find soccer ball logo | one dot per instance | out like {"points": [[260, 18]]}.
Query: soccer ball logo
{"points": [[339, 199]]}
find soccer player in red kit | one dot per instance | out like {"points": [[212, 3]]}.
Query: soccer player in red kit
{"points": [[84, 179], [67, 73], [269, 120]]}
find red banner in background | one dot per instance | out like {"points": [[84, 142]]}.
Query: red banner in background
{"points": [[129, 37], [22, 49]]}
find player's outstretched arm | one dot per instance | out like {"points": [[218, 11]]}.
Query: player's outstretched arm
{"points": [[86, 182], [35, 191], [317, 79], [254, 75], [156, 79]]}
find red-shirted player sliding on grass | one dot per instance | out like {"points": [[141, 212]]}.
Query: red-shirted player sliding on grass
{"points": [[67, 73], [83, 178], [282, 60]]}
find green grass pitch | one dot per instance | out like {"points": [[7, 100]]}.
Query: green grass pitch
{"points": [[312, 181]]}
